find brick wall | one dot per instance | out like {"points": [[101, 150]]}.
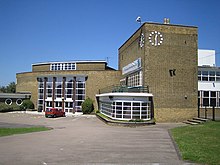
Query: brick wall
{"points": [[42, 67], [79, 66], [169, 69], [96, 80], [90, 66]]}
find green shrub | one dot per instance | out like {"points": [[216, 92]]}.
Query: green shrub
{"points": [[27, 104], [9, 108], [87, 106], [97, 111]]}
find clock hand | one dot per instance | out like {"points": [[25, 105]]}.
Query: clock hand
{"points": [[155, 39]]}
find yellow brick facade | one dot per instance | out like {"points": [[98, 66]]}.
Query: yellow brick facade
{"points": [[95, 80], [175, 94]]}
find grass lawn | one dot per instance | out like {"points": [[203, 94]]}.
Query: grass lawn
{"points": [[12, 131], [199, 143]]}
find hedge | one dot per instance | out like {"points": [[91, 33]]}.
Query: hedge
{"points": [[9, 108], [26, 104]]}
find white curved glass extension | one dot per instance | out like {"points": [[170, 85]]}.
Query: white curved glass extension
{"points": [[127, 110]]}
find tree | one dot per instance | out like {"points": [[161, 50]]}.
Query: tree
{"points": [[3, 89], [27, 104], [87, 106], [10, 88]]}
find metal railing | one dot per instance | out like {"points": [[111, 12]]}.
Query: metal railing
{"points": [[209, 112], [122, 89]]}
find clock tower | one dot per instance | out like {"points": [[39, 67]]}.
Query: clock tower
{"points": [[168, 56]]}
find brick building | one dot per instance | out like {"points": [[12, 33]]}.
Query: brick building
{"points": [[66, 84], [167, 59], [159, 57]]}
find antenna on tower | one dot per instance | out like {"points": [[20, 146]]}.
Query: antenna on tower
{"points": [[107, 60], [138, 19]]}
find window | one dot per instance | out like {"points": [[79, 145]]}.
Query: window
{"points": [[208, 98], [69, 87], [58, 104], [68, 106], [212, 98], [135, 79], [80, 94], [205, 98], [217, 76], [209, 75], [8, 101], [19, 101], [58, 88], [63, 66], [106, 108], [199, 75], [70, 91], [40, 95], [49, 103], [126, 110], [205, 75]]}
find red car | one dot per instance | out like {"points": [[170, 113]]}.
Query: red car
{"points": [[54, 112]]}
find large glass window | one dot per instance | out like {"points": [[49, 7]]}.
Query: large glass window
{"points": [[208, 75], [58, 87], [126, 110], [134, 79], [80, 94], [40, 95], [208, 98], [73, 91], [69, 87]]}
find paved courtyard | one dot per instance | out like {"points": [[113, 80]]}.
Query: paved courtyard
{"points": [[85, 140]]}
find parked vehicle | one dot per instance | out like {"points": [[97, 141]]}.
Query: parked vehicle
{"points": [[54, 112]]}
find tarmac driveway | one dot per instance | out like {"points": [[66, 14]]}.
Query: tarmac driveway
{"points": [[86, 140]]}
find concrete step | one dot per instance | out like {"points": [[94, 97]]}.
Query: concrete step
{"points": [[190, 123], [196, 121], [200, 119]]}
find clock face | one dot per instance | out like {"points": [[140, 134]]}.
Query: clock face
{"points": [[155, 38], [141, 40]]}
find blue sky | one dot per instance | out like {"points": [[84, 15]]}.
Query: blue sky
{"points": [[33, 31]]}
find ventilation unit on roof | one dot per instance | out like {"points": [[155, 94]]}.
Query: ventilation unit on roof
{"points": [[166, 21]]}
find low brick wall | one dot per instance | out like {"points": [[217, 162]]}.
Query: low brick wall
{"points": [[174, 114]]}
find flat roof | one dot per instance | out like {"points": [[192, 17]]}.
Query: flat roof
{"points": [[126, 94], [15, 95], [63, 62]]}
